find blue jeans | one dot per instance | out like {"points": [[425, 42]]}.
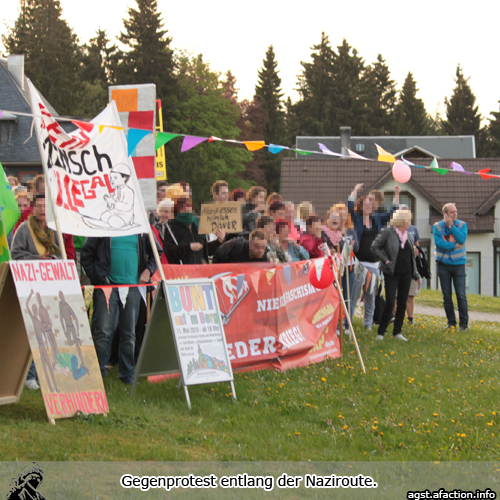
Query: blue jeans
{"points": [[447, 273], [348, 299], [105, 319]]}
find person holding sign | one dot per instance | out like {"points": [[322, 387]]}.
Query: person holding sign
{"points": [[182, 243]]}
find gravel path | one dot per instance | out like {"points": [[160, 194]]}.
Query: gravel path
{"points": [[473, 315]]}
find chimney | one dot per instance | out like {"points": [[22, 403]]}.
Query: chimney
{"points": [[15, 65], [345, 140]]}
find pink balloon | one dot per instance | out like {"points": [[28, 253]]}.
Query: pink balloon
{"points": [[401, 172]]}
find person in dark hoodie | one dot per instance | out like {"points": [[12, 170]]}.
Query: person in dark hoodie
{"points": [[182, 243], [253, 208]]}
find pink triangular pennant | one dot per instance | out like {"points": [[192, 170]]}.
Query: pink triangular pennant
{"points": [[191, 141], [352, 154], [107, 291], [254, 278]]}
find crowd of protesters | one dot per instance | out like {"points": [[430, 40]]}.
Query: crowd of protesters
{"points": [[370, 242]]}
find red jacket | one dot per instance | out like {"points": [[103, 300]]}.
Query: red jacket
{"points": [[312, 244]]}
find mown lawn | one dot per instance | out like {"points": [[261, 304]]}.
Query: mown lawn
{"points": [[434, 298], [435, 397]]}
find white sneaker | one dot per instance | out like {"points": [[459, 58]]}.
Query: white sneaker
{"points": [[31, 384], [400, 337], [379, 337]]}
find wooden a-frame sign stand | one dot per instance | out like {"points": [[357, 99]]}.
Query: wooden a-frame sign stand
{"points": [[160, 352], [15, 351]]}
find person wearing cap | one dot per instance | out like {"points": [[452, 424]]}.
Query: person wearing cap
{"points": [[182, 243], [450, 235]]}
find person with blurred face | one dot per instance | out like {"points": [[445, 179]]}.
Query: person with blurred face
{"points": [[274, 252], [238, 195], [450, 235], [290, 218], [220, 192], [303, 211], [276, 210], [396, 252], [241, 250], [23, 200], [293, 251], [311, 240], [182, 243], [34, 239], [253, 208], [165, 213], [162, 191], [368, 225]]}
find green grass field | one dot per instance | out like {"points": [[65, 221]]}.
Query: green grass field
{"points": [[435, 397], [434, 298]]}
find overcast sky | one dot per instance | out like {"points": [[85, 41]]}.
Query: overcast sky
{"points": [[428, 38]]}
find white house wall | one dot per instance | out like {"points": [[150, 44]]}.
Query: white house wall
{"points": [[476, 242]]}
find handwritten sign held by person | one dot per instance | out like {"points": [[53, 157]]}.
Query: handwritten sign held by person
{"points": [[224, 216]]}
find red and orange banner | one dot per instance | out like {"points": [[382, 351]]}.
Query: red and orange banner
{"points": [[273, 317]]}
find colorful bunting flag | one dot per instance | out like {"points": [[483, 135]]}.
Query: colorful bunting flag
{"points": [[190, 141], [102, 127], [86, 126], [213, 138], [327, 151], [134, 137], [352, 154], [163, 137], [440, 171], [301, 152], [254, 145], [434, 163], [275, 149], [383, 155], [484, 174], [458, 168]]}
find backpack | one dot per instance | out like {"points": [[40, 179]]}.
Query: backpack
{"points": [[423, 267]]}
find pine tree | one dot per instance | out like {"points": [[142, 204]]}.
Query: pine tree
{"points": [[462, 116], [346, 99], [380, 98], [150, 58], [268, 92], [411, 117], [313, 114], [51, 52], [490, 146]]}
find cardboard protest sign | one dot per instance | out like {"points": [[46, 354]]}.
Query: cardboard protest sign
{"points": [[91, 178], [194, 327], [136, 106], [58, 331], [225, 216]]}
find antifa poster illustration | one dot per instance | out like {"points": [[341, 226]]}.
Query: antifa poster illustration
{"points": [[91, 177], [272, 316], [59, 335]]}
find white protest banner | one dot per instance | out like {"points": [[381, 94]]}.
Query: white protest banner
{"points": [[92, 179], [58, 331], [225, 216]]}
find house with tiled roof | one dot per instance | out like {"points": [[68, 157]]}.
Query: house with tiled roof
{"points": [[19, 152], [327, 181]]}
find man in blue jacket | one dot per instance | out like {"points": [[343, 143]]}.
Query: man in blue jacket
{"points": [[449, 237]]}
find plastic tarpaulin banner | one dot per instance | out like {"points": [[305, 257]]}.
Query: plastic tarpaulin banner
{"points": [[92, 179], [272, 316]]}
